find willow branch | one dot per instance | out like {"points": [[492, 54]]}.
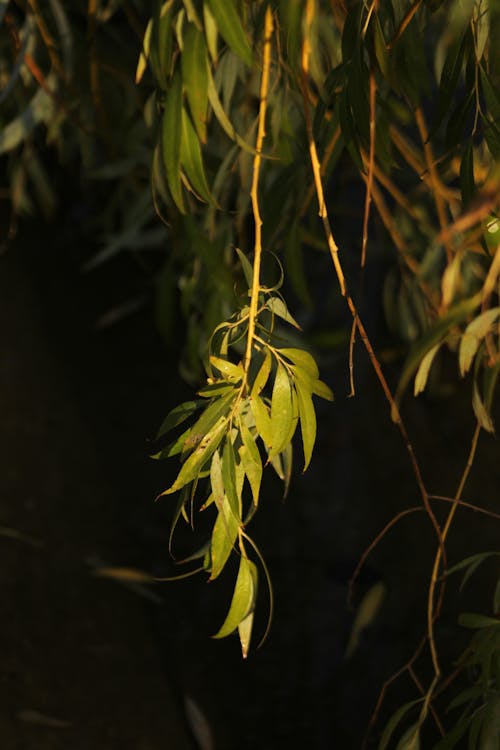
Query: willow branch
{"points": [[261, 132]]}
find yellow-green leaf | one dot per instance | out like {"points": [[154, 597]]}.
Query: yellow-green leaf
{"points": [[262, 419], [307, 423], [228, 22], [251, 460], [482, 415], [262, 375], [243, 601], [195, 77], [193, 464], [229, 478], [424, 368], [171, 140], [192, 161], [302, 359], [281, 411], [474, 334], [231, 371], [210, 31], [224, 536]]}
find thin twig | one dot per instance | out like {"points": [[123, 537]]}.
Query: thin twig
{"points": [[261, 131], [404, 23]]}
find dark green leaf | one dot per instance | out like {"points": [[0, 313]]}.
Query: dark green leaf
{"points": [[394, 721], [470, 620], [178, 415], [192, 161], [171, 140], [195, 78]]}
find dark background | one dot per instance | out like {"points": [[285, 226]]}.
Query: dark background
{"points": [[92, 663]]}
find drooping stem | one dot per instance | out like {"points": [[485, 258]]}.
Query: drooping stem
{"points": [[254, 195]]}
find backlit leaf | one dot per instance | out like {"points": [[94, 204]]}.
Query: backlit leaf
{"points": [[231, 371], [224, 536], [262, 419], [303, 359], [251, 460], [243, 598]]}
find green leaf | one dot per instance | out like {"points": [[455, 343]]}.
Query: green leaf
{"points": [[171, 140], [223, 119], [192, 161], [216, 480], [281, 410], [195, 78], [245, 633], [307, 422], [143, 57], [193, 464], [243, 600], [262, 419], [424, 368], [224, 536], [219, 388], [262, 375], [302, 359], [467, 185], [434, 335], [231, 371], [251, 460], [246, 266], [410, 739], [473, 335], [480, 411], [228, 22], [178, 415], [229, 478], [210, 31], [217, 408], [314, 385], [470, 620], [278, 307], [394, 721], [174, 448]]}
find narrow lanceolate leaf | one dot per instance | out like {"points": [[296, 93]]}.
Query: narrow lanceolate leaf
{"points": [[223, 538], [195, 78], [245, 633], [143, 57], [210, 31], [424, 368], [262, 419], [281, 411], [192, 466], [231, 371], [243, 600], [229, 477], [177, 416], [307, 423], [262, 375], [251, 460], [223, 119], [474, 334], [482, 415], [279, 308], [216, 409], [246, 266], [191, 159], [216, 480], [171, 140], [302, 359], [228, 22], [315, 386]]}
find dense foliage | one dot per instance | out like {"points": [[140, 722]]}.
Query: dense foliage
{"points": [[245, 115]]}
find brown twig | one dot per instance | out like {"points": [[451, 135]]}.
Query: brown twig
{"points": [[404, 23]]}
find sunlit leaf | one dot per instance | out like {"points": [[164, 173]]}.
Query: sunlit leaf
{"points": [[281, 410], [279, 308], [307, 423], [262, 419], [193, 464], [223, 538], [262, 375], [192, 161], [243, 598], [470, 620], [231, 371], [251, 460]]}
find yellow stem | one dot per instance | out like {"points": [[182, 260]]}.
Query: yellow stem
{"points": [[261, 132]]}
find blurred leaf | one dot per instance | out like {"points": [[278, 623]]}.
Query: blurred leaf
{"points": [[473, 335], [191, 159], [480, 411], [210, 31], [423, 369], [395, 721], [228, 22], [467, 185], [243, 600], [178, 415], [195, 78], [171, 140], [470, 620], [279, 308]]}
